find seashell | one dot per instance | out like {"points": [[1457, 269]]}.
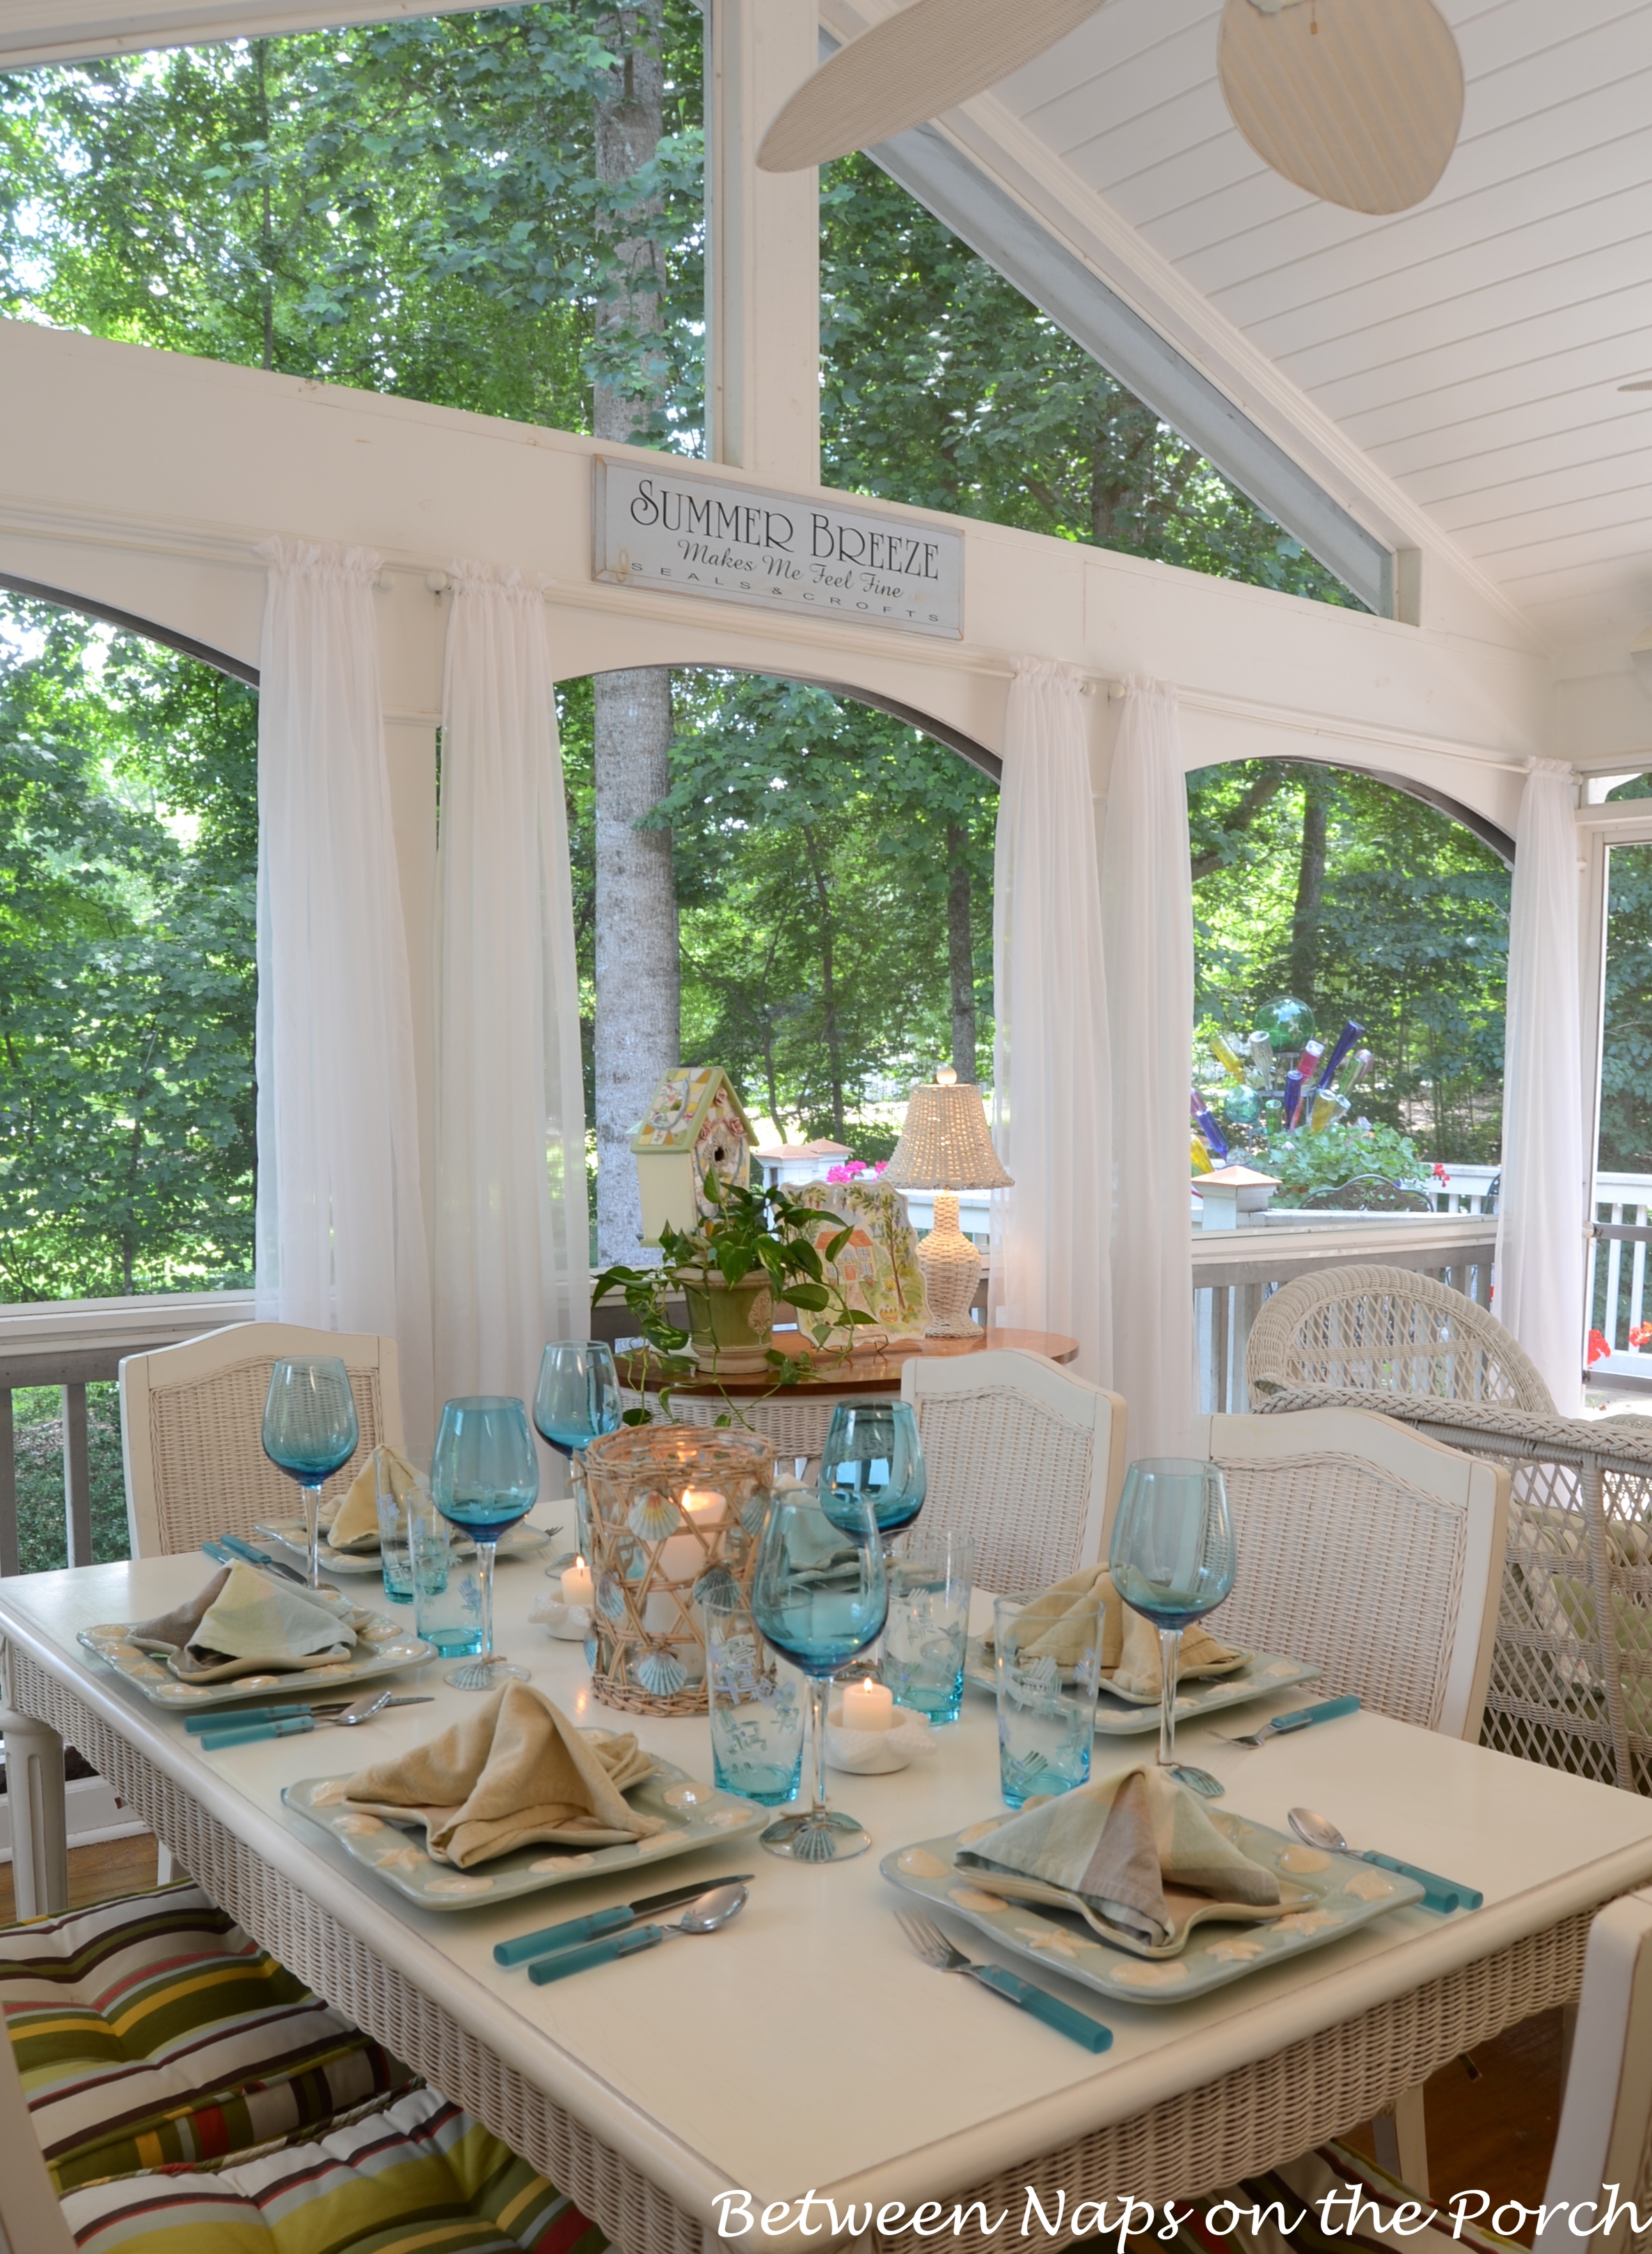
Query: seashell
{"points": [[655, 1515], [357, 1827], [919, 1863], [590, 1651], [611, 1597], [329, 1791], [258, 1682], [401, 1858], [458, 1885], [176, 1690], [715, 1586], [754, 1511], [687, 1794], [553, 1865], [659, 1673]]}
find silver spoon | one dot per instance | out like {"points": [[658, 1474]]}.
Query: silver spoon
{"points": [[709, 1914], [1198, 1780], [1316, 1831]]}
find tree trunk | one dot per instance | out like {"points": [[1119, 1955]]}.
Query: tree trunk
{"points": [[638, 1031], [828, 977], [1305, 920], [961, 951]]}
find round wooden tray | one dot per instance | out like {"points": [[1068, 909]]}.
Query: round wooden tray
{"points": [[876, 1371]]}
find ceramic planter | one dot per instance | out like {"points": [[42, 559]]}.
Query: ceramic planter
{"points": [[731, 1325]]}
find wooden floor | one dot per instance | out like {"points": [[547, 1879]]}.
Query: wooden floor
{"points": [[1494, 2134]]}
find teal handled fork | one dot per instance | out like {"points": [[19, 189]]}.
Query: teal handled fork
{"points": [[934, 1946], [1299, 1717]]}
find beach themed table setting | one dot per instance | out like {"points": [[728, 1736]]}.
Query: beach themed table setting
{"points": [[529, 2003]]}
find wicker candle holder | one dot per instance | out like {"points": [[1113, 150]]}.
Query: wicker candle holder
{"points": [[669, 1505]]}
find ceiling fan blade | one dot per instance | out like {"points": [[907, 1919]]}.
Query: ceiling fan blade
{"points": [[933, 55], [1360, 104]]}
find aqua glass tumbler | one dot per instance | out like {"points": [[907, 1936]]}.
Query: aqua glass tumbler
{"points": [[758, 1704], [1047, 1700], [931, 1580]]}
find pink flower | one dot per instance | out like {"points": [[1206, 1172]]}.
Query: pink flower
{"points": [[879, 1166], [838, 1174], [1441, 1174]]}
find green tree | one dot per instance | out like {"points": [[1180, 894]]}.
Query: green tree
{"points": [[127, 862], [1370, 906], [943, 386]]}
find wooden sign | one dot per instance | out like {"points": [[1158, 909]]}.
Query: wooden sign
{"points": [[674, 527]]}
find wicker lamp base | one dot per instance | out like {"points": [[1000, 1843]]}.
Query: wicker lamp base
{"points": [[951, 1269]]}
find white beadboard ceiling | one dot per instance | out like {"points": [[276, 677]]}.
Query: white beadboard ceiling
{"points": [[1472, 349]]}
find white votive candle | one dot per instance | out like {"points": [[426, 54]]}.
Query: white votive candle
{"points": [[576, 1583], [682, 1559], [868, 1706], [704, 1506]]}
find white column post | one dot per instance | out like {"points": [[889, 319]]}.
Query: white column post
{"points": [[763, 242]]}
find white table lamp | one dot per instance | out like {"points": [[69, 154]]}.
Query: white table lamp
{"points": [[945, 1147]]}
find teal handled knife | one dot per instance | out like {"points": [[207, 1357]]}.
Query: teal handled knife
{"points": [[1442, 1894], [229, 1549], [295, 1710], [551, 1940], [1300, 1718]]}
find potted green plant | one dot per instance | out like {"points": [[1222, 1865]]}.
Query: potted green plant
{"points": [[752, 1248]]}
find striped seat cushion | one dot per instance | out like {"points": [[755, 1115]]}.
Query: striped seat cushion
{"points": [[415, 2177], [151, 2031]]}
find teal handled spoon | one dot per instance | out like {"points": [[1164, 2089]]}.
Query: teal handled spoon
{"points": [[709, 1913], [1442, 1894], [550, 1939]]}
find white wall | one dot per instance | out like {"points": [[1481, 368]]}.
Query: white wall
{"points": [[145, 481]]}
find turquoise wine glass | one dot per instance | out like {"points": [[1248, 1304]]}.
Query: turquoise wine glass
{"points": [[310, 1432], [1173, 1560], [873, 1451], [483, 1477], [577, 1401], [819, 1595]]}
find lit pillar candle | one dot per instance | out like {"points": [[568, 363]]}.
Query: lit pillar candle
{"points": [[705, 1507], [868, 1706], [576, 1583]]}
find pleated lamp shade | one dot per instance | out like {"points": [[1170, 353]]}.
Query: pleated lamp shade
{"points": [[945, 1144]]}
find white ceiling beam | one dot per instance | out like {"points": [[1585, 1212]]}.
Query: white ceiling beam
{"points": [[68, 30]]}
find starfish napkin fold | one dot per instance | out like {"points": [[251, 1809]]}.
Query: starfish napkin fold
{"points": [[1053, 1627], [1123, 1845], [243, 1621], [515, 1771], [355, 1525]]}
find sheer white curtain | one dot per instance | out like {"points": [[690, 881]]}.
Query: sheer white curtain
{"points": [[1148, 924], [340, 1226], [512, 1252], [1052, 1102], [1544, 1207]]}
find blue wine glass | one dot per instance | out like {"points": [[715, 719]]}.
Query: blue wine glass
{"points": [[1173, 1560], [576, 1400], [310, 1430], [873, 1452], [819, 1595], [483, 1477]]}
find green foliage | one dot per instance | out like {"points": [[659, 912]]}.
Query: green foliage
{"points": [[810, 835], [42, 1544], [407, 207], [1411, 939], [1302, 1162], [1626, 1055], [126, 863], [943, 386]]}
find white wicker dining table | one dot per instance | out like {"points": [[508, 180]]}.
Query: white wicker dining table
{"points": [[806, 2047]]}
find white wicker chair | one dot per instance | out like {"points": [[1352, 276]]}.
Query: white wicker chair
{"points": [[191, 1421], [1024, 1457], [1605, 2143], [1372, 1551], [1571, 1672], [1384, 1330]]}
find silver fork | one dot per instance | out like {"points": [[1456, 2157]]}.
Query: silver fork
{"points": [[932, 1946]]}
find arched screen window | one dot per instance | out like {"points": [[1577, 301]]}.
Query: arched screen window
{"points": [[1369, 906]]}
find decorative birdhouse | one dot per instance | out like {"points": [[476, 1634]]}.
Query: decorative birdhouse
{"points": [[695, 1126]]}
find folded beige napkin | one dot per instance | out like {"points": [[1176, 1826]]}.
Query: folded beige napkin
{"points": [[513, 1772], [1053, 1627], [244, 1623], [355, 1524], [1127, 1852]]}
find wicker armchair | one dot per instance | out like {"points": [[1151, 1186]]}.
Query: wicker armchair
{"points": [[1387, 1331], [1571, 1682], [1370, 1550], [191, 1420], [1024, 1457]]}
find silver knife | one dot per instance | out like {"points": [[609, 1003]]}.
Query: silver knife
{"points": [[225, 1553]]}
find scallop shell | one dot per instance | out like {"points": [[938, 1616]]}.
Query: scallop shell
{"points": [[590, 1651], [659, 1673], [655, 1515], [458, 1885], [715, 1586], [754, 1511], [611, 1597]]}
